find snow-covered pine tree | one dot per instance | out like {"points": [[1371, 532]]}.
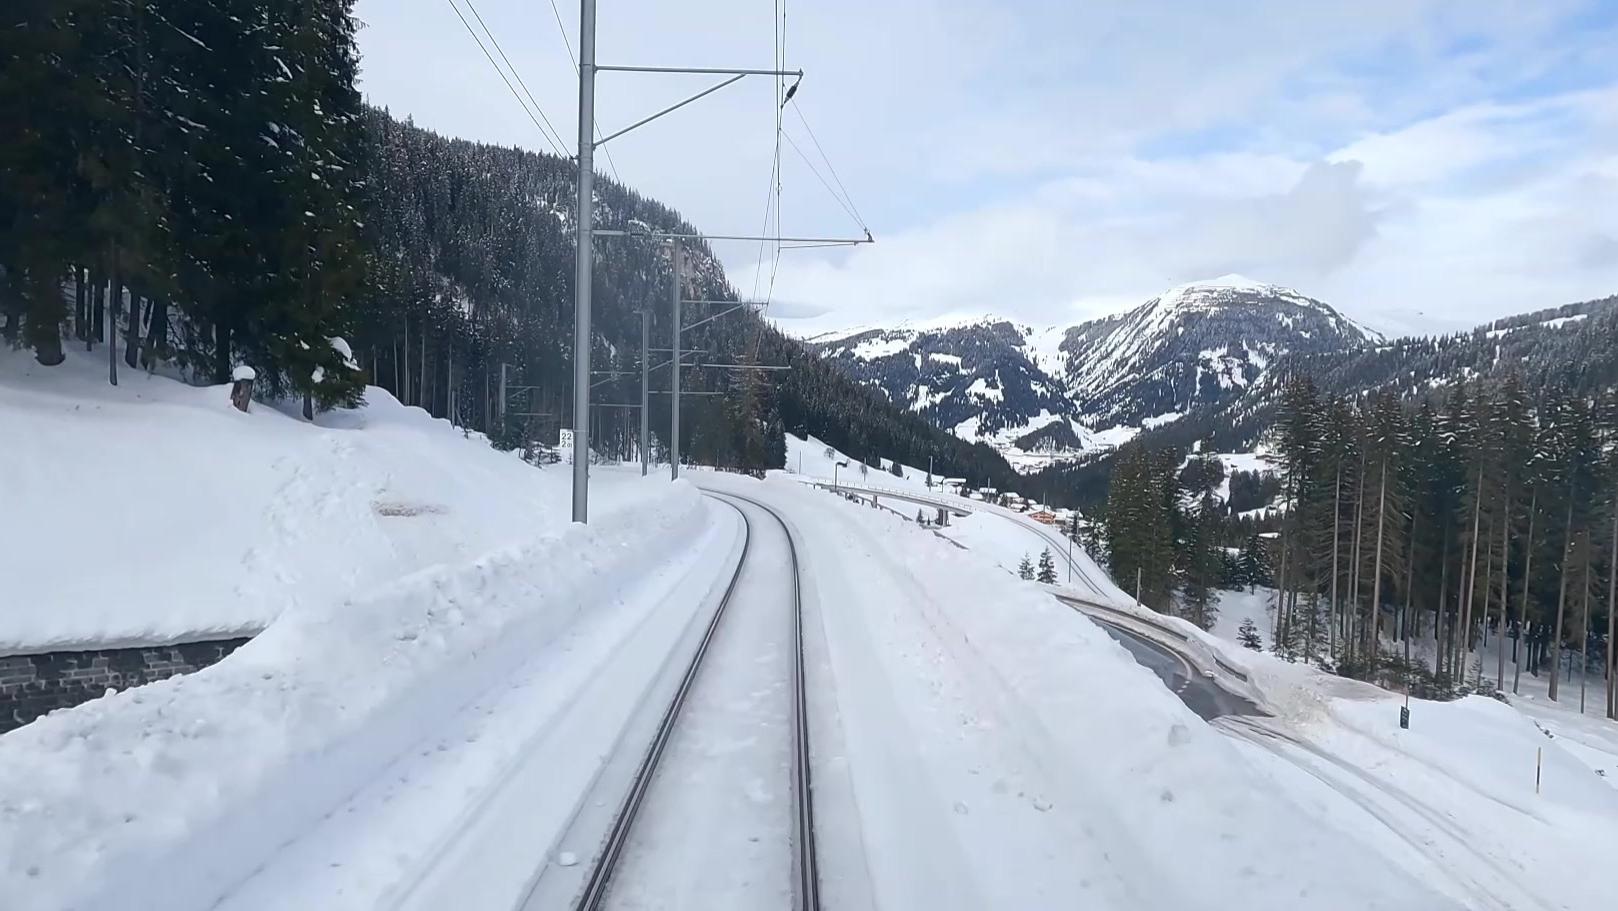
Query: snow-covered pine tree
{"points": [[1025, 569], [1247, 634], [1047, 567]]}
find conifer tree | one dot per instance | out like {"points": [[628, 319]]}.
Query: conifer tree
{"points": [[1047, 567], [1248, 635]]}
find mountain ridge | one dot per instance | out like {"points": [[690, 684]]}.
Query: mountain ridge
{"points": [[1044, 394]]}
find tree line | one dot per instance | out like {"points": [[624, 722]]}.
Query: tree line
{"points": [[184, 179], [1568, 347], [196, 185], [1482, 510]]}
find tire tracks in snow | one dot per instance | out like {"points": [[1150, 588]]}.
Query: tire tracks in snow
{"points": [[1433, 835]]}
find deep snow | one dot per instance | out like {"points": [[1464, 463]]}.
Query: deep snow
{"points": [[153, 511]]}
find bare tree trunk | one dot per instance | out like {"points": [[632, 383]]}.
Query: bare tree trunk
{"points": [[157, 333], [1439, 637], [1612, 619], [1505, 595], [1611, 662], [80, 304], [1336, 535], [1376, 572], [1584, 631], [1471, 574], [422, 390], [132, 338], [1561, 598], [404, 390], [1351, 614], [1278, 622], [1527, 583], [1410, 575], [116, 292], [98, 293], [1488, 576]]}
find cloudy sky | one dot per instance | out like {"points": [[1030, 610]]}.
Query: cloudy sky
{"points": [[1421, 164]]}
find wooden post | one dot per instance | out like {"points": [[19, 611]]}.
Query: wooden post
{"points": [[241, 387]]}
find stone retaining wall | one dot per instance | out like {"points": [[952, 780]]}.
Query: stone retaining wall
{"points": [[32, 685]]}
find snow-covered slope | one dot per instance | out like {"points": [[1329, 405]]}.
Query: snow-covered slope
{"points": [[189, 518]]}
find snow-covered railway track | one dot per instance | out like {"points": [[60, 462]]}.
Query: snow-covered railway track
{"points": [[648, 854]]}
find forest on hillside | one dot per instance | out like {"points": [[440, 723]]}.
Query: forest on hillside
{"points": [[1491, 511], [1568, 350], [195, 185]]}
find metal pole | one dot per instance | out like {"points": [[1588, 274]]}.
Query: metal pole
{"points": [[645, 384], [676, 265], [581, 282]]}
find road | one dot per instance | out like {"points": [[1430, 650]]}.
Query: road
{"points": [[1060, 547], [1202, 694]]}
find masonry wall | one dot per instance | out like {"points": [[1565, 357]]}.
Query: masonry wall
{"points": [[32, 685]]}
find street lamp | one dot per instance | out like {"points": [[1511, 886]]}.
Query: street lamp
{"points": [[834, 468]]}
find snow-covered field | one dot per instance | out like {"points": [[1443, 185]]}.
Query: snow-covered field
{"points": [[452, 678]]}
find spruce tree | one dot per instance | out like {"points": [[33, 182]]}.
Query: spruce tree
{"points": [[1247, 634], [1025, 569], [1047, 567]]}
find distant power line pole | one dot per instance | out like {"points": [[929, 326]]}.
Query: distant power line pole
{"points": [[645, 388], [586, 233], [676, 264]]}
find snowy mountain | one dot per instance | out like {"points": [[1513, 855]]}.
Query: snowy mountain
{"points": [[1197, 344], [1045, 395], [983, 380]]}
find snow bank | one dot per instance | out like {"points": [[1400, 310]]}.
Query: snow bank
{"points": [[1459, 784], [171, 792], [153, 511]]}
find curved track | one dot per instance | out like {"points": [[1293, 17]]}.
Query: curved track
{"points": [[805, 875]]}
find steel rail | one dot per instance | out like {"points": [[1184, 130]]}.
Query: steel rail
{"points": [[594, 895], [806, 866]]}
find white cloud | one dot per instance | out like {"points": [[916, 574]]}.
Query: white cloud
{"points": [[1050, 160]]}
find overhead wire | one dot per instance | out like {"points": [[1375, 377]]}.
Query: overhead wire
{"points": [[513, 69], [846, 205], [575, 61], [555, 143], [848, 197], [778, 27]]}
